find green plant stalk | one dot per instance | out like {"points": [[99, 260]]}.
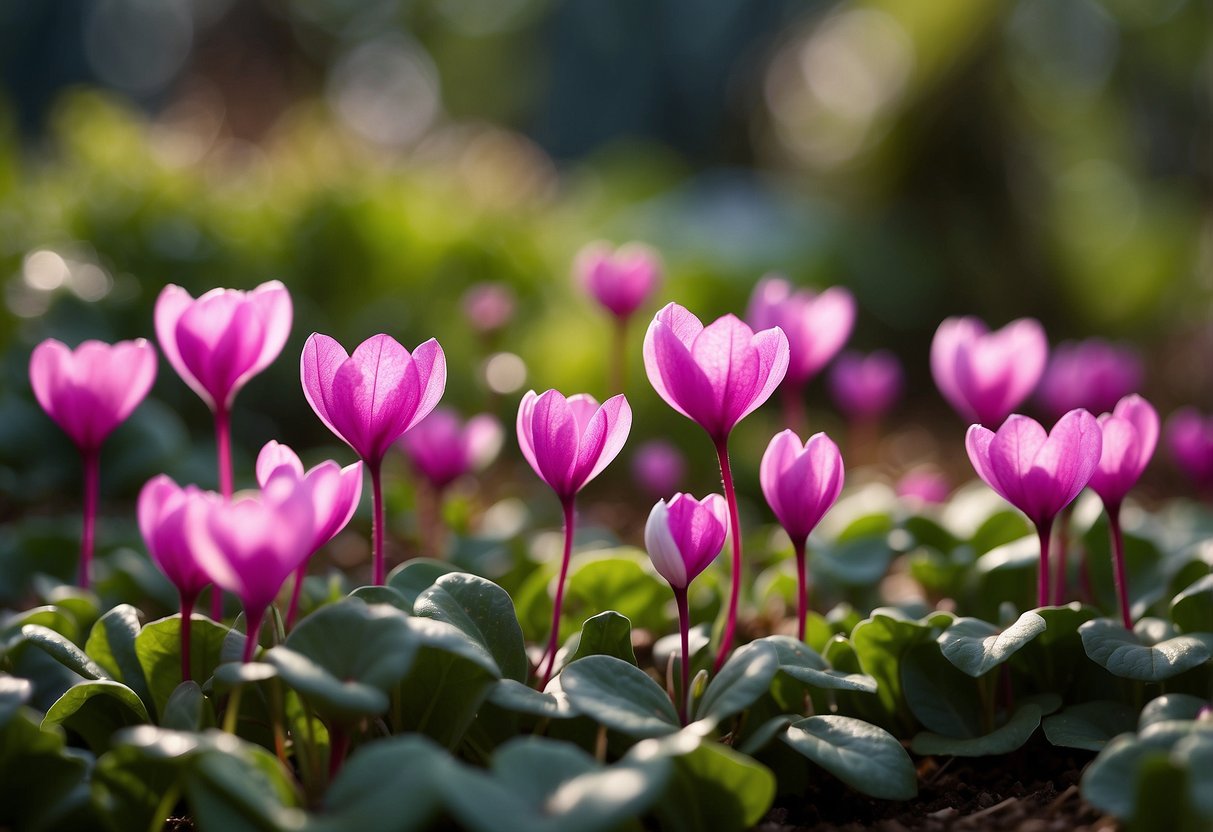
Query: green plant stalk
{"points": [[568, 506], [233, 710], [730, 496]]}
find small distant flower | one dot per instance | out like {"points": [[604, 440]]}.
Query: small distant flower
{"points": [[442, 447], [488, 307], [621, 279], [816, 325], [1189, 438], [658, 467], [985, 375], [925, 485], [865, 388], [1092, 374]]}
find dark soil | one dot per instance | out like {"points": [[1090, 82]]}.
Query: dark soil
{"points": [[1033, 790]]}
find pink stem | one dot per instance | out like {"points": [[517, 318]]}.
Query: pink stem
{"points": [[730, 496], [292, 609], [187, 617], [1044, 531], [1059, 567], [802, 588], [792, 399], [339, 746], [92, 476], [223, 447], [567, 503], [1118, 564], [253, 619], [380, 569], [619, 356], [684, 629]]}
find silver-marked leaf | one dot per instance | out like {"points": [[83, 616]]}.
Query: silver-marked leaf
{"points": [[63, 651], [606, 634], [806, 665], [484, 612], [1170, 707], [620, 696], [745, 677], [865, 757], [977, 647], [1125, 654], [111, 644]]}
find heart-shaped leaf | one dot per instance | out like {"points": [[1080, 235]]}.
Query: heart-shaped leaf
{"points": [[805, 665], [940, 696], [415, 576], [977, 647], [745, 676], [158, 647], [1126, 654], [241, 787], [866, 758], [620, 696], [1170, 707], [383, 595], [111, 644], [1089, 725], [1110, 783], [95, 710], [483, 611], [63, 651], [879, 643], [606, 634], [518, 698], [1012, 735], [713, 787]]}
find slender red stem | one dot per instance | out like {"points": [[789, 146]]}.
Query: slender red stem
{"points": [[223, 448], [1060, 590], [292, 609], [568, 504], [730, 496], [187, 617], [253, 619], [1118, 564], [92, 478], [684, 630], [380, 568], [1044, 531], [339, 746], [802, 588], [792, 399], [619, 357]]}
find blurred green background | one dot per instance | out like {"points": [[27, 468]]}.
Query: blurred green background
{"points": [[1051, 158]]}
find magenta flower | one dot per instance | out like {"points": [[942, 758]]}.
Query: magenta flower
{"points": [[163, 512], [1130, 434], [800, 483], [866, 387], [1189, 438], [335, 495], [816, 325], [924, 485], [1092, 374], [88, 392], [716, 376], [249, 546], [442, 447], [683, 536], [658, 467], [620, 279], [985, 375], [488, 306], [568, 442], [369, 399], [1039, 473]]}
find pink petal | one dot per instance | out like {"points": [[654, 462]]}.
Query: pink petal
{"points": [[677, 378], [1064, 464], [170, 306], [430, 362], [780, 455], [773, 355], [318, 365], [977, 443], [375, 394], [219, 339], [272, 302], [1012, 453], [1145, 419], [276, 457], [603, 440], [555, 441], [1118, 469], [945, 348], [526, 417], [722, 351]]}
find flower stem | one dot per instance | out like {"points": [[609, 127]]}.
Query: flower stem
{"points": [[730, 496], [187, 617], [1044, 530], [802, 588], [380, 569], [292, 609], [223, 448], [792, 399], [1118, 564], [567, 504], [684, 630], [619, 356], [253, 621], [92, 477], [339, 746]]}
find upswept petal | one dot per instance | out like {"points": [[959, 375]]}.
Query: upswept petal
{"points": [[697, 533], [274, 458], [773, 356], [662, 549], [335, 495], [1030, 348], [1144, 418], [832, 317], [1012, 453], [1118, 461], [677, 378], [430, 363], [318, 365], [682, 322], [170, 306], [219, 339], [134, 374], [555, 441], [273, 304], [810, 485], [583, 406], [945, 347], [977, 443], [722, 351], [522, 427], [375, 394], [162, 513], [1063, 466], [46, 365], [780, 455], [603, 440], [766, 301]]}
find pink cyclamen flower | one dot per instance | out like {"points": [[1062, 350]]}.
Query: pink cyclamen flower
{"points": [[335, 495], [1037, 472], [714, 375], [816, 325], [1189, 437], [570, 441], [1130, 435], [1092, 374], [800, 483], [985, 375], [620, 279], [488, 306], [220, 340], [249, 546], [442, 447], [91, 390], [658, 467], [88, 392], [866, 387], [924, 485], [682, 537]]}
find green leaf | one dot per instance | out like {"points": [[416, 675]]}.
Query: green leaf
{"points": [[37, 774], [859, 561], [1170, 707], [752, 743], [805, 665], [345, 657], [158, 647], [1110, 782], [1123, 653], [606, 634], [390, 785], [744, 678], [518, 698], [940, 696], [52, 618], [1194, 754], [1089, 725], [14, 693], [866, 758], [63, 651], [413, 577], [95, 710], [238, 786], [879, 643], [383, 595], [111, 644], [483, 611], [713, 787], [187, 709], [1012, 735], [619, 696], [1192, 609], [977, 647]]}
